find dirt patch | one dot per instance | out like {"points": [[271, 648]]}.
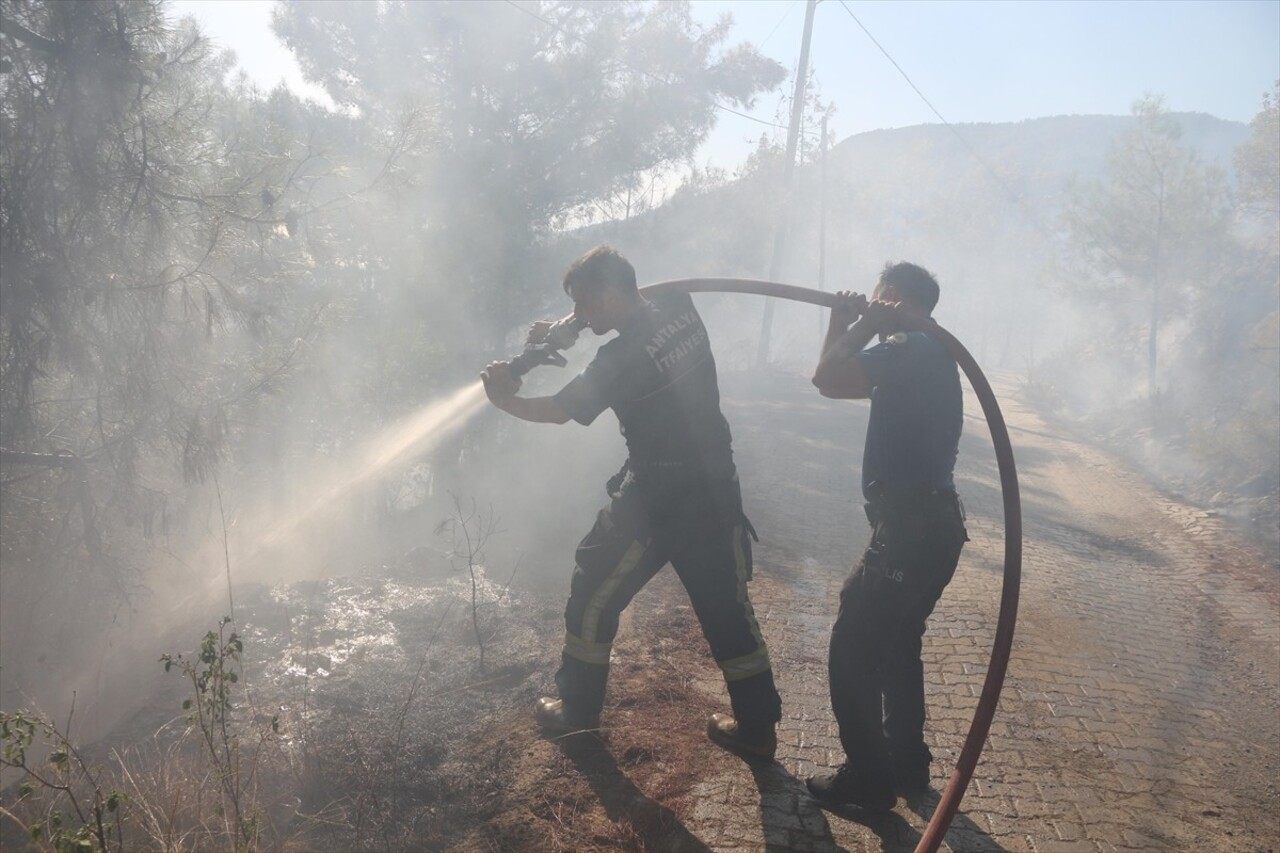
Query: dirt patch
{"points": [[625, 787], [402, 742]]}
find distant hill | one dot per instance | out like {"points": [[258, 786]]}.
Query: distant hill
{"points": [[1058, 146], [979, 204]]}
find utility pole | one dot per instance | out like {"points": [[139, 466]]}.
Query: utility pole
{"points": [[789, 166], [822, 220]]}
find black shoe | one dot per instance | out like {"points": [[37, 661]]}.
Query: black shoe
{"points": [[724, 731], [844, 788], [911, 782], [556, 718]]}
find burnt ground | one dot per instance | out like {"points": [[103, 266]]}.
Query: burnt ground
{"points": [[427, 751], [1141, 709]]}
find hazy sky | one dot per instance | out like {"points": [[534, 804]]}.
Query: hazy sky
{"points": [[974, 61]]}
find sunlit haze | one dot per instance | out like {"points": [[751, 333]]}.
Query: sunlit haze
{"points": [[974, 61]]}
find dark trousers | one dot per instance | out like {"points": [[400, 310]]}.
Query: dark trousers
{"points": [[704, 537], [876, 676]]}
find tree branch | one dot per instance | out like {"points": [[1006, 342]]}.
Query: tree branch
{"points": [[17, 32]]}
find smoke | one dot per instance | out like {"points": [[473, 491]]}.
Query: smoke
{"points": [[383, 255]]}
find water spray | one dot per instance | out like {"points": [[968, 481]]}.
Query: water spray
{"points": [[404, 440], [416, 434]]}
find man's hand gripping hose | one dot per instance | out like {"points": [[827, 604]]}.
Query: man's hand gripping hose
{"points": [[545, 341], [991, 686]]}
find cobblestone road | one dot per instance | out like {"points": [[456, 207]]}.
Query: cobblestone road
{"points": [[1141, 706]]}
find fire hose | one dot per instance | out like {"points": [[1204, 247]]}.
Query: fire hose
{"points": [[547, 353]]}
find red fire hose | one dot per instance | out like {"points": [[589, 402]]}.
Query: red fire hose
{"points": [[999, 662]]}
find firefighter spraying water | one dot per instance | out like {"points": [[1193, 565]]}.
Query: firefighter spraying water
{"points": [[676, 500]]}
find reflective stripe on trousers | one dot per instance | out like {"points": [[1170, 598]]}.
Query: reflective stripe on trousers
{"points": [[614, 562]]}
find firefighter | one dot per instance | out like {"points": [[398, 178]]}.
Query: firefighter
{"points": [[676, 500], [917, 531]]}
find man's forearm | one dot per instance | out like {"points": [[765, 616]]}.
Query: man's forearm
{"points": [[835, 331], [538, 410], [844, 345], [838, 373]]}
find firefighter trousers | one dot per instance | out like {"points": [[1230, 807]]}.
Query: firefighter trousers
{"points": [[706, 542], [876, 675]]}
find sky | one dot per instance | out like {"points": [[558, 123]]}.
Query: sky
{"points": [[997, 61]]}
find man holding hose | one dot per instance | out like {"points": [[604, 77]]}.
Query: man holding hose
{"points": [[676, 500], [917, 532]]}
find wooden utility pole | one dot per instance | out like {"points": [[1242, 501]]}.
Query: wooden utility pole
{"points": [[822, 222], [789, 166]]}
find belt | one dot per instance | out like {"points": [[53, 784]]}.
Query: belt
{"points": [[877, 492], [882, 500]]}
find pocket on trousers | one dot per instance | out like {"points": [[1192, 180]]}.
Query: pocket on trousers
{"points": [[744, 543], [880, 563]]}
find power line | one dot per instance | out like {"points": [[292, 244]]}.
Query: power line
{"points": [[786, 14], [972, 151], [895, 64]]}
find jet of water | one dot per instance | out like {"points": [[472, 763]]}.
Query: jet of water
{"points": [[414, 435]]}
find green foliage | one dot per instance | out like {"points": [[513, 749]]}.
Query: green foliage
{"points": [[1159, 229], [73, 812], [1257, 161], [65, 804], [1149, 233], [171, 255], [114, 265], [540, 113], [148, 293], [213, 673]]}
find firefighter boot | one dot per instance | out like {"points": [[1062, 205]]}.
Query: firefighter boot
{"points": [[556, 718], [724, 731], [846, 788]]}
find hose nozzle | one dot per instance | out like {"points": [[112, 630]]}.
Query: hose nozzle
{"points": [[544, 342], [564, 332]]}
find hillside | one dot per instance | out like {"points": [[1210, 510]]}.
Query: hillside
{"points": [[989, 227], [982, 206]]}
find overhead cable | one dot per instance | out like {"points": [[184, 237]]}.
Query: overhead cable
{"points": [[1031, 214]]}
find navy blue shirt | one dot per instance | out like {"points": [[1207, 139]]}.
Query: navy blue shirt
{"points": [[917, 413], [659, 377]]}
